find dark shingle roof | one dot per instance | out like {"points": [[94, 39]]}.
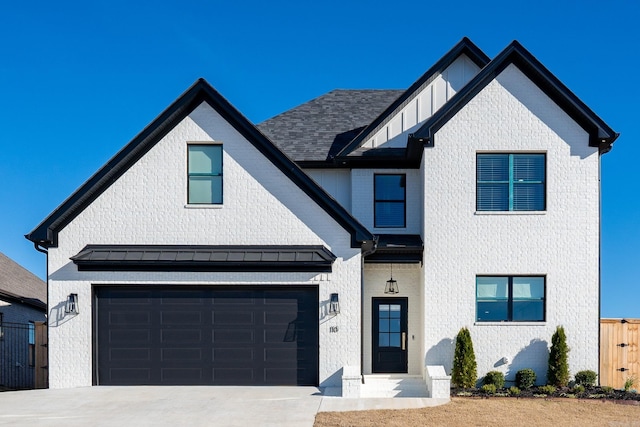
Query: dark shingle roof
{"points": [[324, 125], [20, 283]]}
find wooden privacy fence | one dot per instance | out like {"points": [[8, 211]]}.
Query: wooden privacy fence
{"points": [[41, 374], [619, 351]]}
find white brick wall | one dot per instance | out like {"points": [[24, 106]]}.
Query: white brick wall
{"points": [[147, 206], [511, 114]]}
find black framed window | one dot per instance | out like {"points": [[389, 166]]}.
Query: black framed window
{"points": [[389, 200], [510, 182], [205, 174], [510, 298]]}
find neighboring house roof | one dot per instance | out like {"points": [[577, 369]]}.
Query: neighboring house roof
{"points": [[18, 284], [464, 47], [600, 134], [317, 130], [46, 233], [305, 258]]}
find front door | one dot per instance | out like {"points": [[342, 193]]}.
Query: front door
{"points": [[389, 335]]}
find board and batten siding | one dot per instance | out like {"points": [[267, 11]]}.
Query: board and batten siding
{"points": [[418, 108]]}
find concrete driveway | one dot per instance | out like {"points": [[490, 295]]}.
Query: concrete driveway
{"points": [[153, 406], [184, 406]]}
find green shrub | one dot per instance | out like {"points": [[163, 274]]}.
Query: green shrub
{"points": [[558, 372], [514, 391], [464, 373], [525, 378], [607, 389], [547, 389], [586, 378], [489, 388], [494, 377], [578, 388], [629, 382]]}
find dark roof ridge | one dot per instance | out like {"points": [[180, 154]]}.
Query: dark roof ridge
{"points": [[464, 46], [600, 134], [46, 233]]}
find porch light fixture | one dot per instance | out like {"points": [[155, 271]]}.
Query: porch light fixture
{"points": [[392, 286], [71, 307], [334, 304]]}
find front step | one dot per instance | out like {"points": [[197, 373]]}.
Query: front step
{"points": [[393, 385]]}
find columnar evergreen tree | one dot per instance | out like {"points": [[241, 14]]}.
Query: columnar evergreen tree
{"points": [[464, 373], [558, 372]]}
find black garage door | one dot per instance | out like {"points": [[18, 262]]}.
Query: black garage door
{"points": [[206, 336]]}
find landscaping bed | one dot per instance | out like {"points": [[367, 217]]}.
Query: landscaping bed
{"points": [[589, 392]]}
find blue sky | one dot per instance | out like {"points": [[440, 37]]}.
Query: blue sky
{"points": [[78, 80]]}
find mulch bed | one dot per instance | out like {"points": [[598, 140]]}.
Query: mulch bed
{"points": [[590, 393]]}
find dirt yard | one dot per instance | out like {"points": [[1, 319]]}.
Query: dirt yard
{"points": [[495, 412]]}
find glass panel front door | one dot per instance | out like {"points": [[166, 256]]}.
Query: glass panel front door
{"points": [[390, 335]]}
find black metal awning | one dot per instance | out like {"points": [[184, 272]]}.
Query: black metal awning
{"points": [[305, 258], [397, 249]]}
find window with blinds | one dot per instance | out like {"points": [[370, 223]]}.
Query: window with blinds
{"points": [[510, 182]]}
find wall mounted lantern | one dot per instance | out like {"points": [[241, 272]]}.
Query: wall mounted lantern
{"points": [[334, 304], [71, 307], [392, 286]]}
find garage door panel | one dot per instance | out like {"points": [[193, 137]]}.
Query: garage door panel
{"points": [[236, 336], [181, 354], [130, 354], [184, 317], [182, 376], [139, 336], [233, 355], [129, 318], [130, 376], [180, 336], [207, 335], [231, 317], [234, 376]]}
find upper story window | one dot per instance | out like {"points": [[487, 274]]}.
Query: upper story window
{"points": [[510, 182], [390, 200], [510, 299], [205, 174]]}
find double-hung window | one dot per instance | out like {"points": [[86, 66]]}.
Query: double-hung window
{"points": [[510, 182], [205, 174], [390, 200], [510, 298]]}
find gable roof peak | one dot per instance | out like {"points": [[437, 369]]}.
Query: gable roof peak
{"points": [[600, 134], [46, 233], [464, 47]]}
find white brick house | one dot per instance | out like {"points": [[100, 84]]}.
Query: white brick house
{"points": [[208, 250]]}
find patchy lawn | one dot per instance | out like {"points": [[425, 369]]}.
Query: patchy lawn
{"points": [[495, 412]]}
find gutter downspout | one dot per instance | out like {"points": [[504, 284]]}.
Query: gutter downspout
{"points": [[365, 252], [43, 250]]}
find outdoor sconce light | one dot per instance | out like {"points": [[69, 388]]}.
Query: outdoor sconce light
{"points": [[392, 286], [71, 307], [334, 304]]}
